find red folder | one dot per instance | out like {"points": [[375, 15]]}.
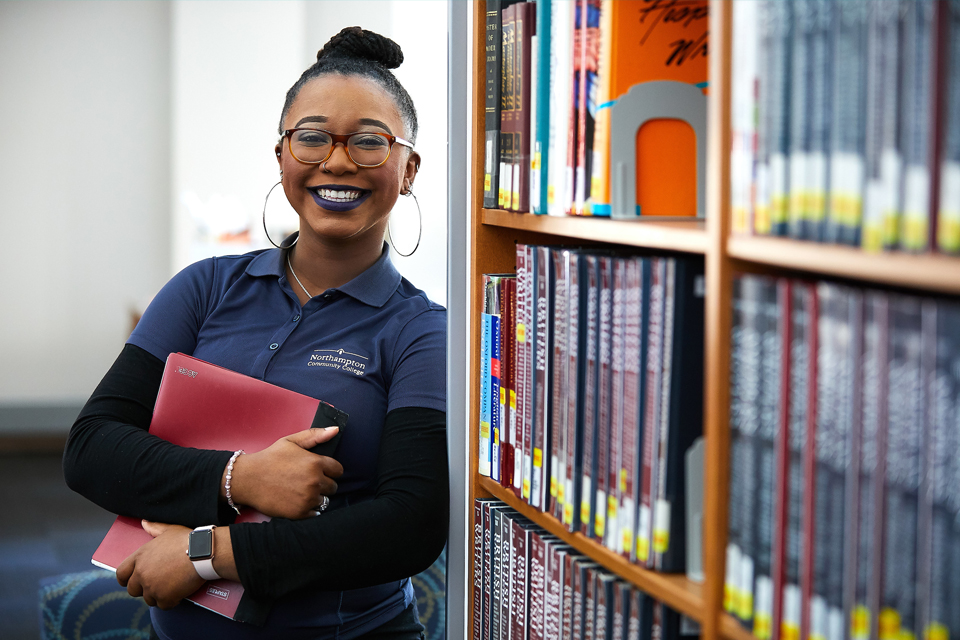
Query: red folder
{"points": [[204, 406]]}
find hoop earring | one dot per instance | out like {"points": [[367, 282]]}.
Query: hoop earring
{"points": [[264, 217], [419, 230]]}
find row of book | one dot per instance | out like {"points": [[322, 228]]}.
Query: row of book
{"points": [[591, 392], [555, 72], [846, 122], [529, 585], [844, 517]]}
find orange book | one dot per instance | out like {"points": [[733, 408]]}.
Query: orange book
{"points": [[644, 41]]}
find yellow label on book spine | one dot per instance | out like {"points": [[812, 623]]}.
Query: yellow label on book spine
{"points": [[762, 626], [860, 623], [537, 458], [936, 631], [484, 429], [487, 179], [521, 332], [623, 480], [889, 624], [744, 604]]}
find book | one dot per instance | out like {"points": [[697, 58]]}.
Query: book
{"points": [[559, 185], [237, 412], [541, 91], [529, 363], [522, 366], [508, 109], [526, 29], [558, 381], [577, 312], [635, 315], [743, 122], [538, 585], [520, 539], [617, 400], [486, 387], [508, 379], [543, 368], [948, 214], [604, 442], [493, 47], [590, 350]]}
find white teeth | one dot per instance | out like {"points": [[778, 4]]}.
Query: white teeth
{"points": [[337, 195]]}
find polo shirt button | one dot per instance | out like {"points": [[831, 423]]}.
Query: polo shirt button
{"points": [[296, 318], [327, 296], [274, 346]]}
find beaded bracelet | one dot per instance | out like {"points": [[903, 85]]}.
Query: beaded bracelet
{"points": [[226, 486]]}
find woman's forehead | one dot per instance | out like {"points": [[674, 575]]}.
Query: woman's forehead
{"points": [[338, 100]]}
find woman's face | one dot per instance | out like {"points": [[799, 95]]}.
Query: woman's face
{"points": [[337, 200]]}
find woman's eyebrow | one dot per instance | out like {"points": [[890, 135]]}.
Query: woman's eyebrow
{"points": [[310, 119], [375, 123]]}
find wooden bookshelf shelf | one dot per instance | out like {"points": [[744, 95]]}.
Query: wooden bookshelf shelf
{"points": [[675, 590], [674, 235], [929, 272], [733, 630]]}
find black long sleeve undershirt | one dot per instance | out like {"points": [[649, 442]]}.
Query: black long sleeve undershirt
{"points": [[112, 460]]}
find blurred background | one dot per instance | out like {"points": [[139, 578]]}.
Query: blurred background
{"points": [[135, 139]]}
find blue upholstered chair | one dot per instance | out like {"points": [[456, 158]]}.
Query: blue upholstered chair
{"points": [[91, 605]]}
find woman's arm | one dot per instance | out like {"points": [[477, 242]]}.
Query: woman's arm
{"points": [[394, 536], [112, 460]]}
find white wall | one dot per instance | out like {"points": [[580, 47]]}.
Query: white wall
{"points": [[95, 214], [84, 183]]}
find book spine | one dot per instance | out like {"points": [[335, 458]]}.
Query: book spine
{"points": [[777, 106], [782, 458], [615, 462], [478, 574], [578, 585], [495, 405], [558, 375], [544, 406], [915, 126], [605, 607], [591, 348], [522, 370], [540, 163], [553, 591], [685, 409], [653, 374], [537, 586], [800, 396], [589, 603], [848, 126], [743, 109], [902, 473], [800, 107], [635, 615], [486, 399], [507, 106], [576, 363], [631, 407], [604, 401], [948, 214], [519, 580], [508, 379], [526, 29], [822, 64], [567, 606], [561, 72], [768, 418], [661, 506], [739, 376], [497, 567], [529, 347], [599, 203], [492, 56], [928, 372]]}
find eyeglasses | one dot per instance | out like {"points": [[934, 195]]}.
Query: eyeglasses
{"points": [[365, 148]]}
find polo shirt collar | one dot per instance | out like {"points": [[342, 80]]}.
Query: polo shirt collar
{"points": [[372, 287]]}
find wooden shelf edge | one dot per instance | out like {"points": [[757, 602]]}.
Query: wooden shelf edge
{"points": [[675, 590], [733, 630], [927, 272], [688, 236]]}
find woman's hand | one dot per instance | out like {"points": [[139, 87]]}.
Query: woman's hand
{"points": [[160, 570], [285, 480]]}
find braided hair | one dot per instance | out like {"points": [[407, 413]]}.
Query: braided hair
{"points": [[358, 52]]}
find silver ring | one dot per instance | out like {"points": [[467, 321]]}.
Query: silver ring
{"points": [[324, 165], [323, 505]]}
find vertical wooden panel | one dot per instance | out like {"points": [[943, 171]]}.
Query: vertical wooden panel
{"points": [[718, 318]]}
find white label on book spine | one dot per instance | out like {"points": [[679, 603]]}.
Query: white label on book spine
{"points": [[916, 205], [628, 512], [643, 534], [818, 618], [661, 526], [834, 624]]}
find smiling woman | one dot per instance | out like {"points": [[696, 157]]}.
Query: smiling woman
{"points": [[345, 156]]}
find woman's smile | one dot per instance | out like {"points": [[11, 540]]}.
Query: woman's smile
{"points": [[341, 198]]}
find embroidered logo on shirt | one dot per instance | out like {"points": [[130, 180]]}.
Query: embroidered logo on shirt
{"points": [[339, 359]]}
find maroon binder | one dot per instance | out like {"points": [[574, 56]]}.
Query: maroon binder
{"points": [[235, 411]]}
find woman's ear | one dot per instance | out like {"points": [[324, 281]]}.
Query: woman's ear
{"points": [[276, 150], [410, 172]]}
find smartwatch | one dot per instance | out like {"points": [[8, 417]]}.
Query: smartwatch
{"points": [[201, 551]]}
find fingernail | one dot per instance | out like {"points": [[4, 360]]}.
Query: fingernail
{"points": [[328, 428]]}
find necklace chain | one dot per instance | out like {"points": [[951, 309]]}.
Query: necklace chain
{"points": [[296, 278]]}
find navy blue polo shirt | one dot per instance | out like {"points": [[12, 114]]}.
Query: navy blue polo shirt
{"points": [[375, 344]]}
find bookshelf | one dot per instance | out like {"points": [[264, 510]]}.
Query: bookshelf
{"points": [[493, 234]]}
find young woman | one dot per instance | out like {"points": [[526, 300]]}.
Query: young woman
{"points": [[345, 155]]}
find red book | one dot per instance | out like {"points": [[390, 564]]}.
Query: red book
{"points": [[538, 585], [508, 380], [525, 30], [522, 369], [237, 412]]}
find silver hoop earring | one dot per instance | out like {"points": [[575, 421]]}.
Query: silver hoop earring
{"points": [[264, 217], [419, 225]]}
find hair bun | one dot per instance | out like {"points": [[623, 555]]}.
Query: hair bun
{"points": [[354, 42]]}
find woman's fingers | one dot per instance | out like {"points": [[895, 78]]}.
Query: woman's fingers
{"points": [[312, 437]]}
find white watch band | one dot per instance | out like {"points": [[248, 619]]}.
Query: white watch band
{"points": [[205, 567]]}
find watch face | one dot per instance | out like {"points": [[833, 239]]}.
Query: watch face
{"points": [[201, 544]]}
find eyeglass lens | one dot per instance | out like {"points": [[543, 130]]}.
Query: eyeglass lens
{"points": [[365, 149]]}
